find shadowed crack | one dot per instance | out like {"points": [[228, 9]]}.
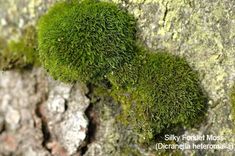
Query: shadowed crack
{"points": [[165, 15], [3, 127], [92, 128], [41, 89], [93, 122], [44, 126]]}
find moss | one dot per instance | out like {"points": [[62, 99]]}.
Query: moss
{"points": [[94, 42], [20, 54], [232, 99], [157, 91], [130, 151], [85, 40]]}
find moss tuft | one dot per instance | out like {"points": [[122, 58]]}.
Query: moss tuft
{"points": [[157, 91], [20, 54], [85, 40]]}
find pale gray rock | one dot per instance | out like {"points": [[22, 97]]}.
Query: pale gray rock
{"points": [[31, 123], [65, 115], [21, 126], [56, 104], [12, 118], [73, 131]]}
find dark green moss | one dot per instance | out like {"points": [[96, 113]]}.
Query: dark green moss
{"points": [[22, 53], [85, 40], [158, 90]]}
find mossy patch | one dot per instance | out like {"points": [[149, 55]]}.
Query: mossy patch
{"points": [[232, 99], [85, 40], [22, 53], [94, 42], [157, 91], [130, 151]]}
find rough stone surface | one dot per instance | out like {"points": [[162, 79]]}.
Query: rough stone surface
{"points": [[19, 94], [39, 115], [66, 120], [74, 130], [106, 137], [202, 31]]}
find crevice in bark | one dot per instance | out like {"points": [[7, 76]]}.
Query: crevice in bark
{"points": [[93, 122], [41, 88], [3, 128], [165, 15], [44, 127]]}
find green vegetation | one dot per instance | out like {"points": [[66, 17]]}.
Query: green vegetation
{"points": [[20, 54], [94, 42], [130, 151], [157, 91], [232, 98], [85, 40]]}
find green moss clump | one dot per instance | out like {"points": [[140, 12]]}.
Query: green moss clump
{"points": [[85, 40], [22, 53], [157, 91]]}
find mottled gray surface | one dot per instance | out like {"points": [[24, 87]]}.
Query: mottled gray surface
{"points": [[39, 115], [202, 31], [65, 115], [19, 96]]}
